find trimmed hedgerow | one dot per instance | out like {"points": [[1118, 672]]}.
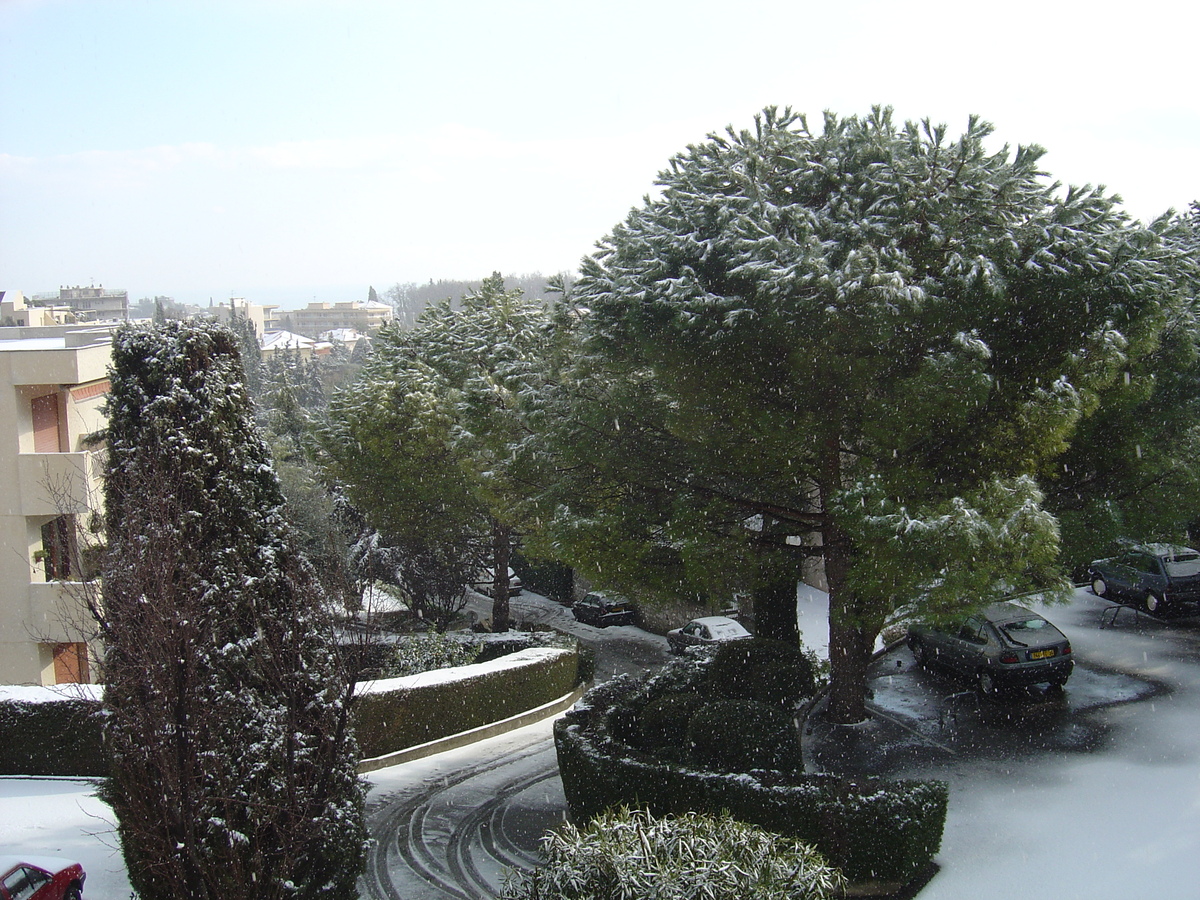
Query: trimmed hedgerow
{"points": [[387, 719], [631, 853], [764, 670], [54, 738], [741, 736], [875, 831]]}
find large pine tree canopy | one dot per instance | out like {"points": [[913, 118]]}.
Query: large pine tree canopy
{"points": [[872, 338]]}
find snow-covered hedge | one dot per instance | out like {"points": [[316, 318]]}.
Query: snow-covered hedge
{"points": [[875, 831], [50, 731], [397, 713]]}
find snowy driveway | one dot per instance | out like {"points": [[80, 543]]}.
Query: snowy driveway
{"points": [[1093, 795]]}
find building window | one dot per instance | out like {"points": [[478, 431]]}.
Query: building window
{"points": [[47, 433], [57, 539], [71, 664]]}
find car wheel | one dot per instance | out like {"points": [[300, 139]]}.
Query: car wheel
{"points": [[987, 683], [1155, 604], [1099, 586], [73, 893], [920, 654]]}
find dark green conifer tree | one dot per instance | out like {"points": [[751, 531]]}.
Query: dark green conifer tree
{"points": [[233, 767]]}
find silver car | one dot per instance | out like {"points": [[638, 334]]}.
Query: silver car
{"points": [[706, 630], [1004, 645]]}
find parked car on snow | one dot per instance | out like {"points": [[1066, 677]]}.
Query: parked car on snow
{"points": [[600, 610], [487, 577], [40, 878], [1005, 645], [1155, 577], [706, 630]]}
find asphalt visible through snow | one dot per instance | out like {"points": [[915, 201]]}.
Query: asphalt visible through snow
{"points": [[454, 824]]}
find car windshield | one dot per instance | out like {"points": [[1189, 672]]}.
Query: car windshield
{"points": [[1022, 630], [726, 629], [1182, 565]]}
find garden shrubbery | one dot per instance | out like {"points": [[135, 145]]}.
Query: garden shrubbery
{"points": [[763, 670], [634, 854], [619, 747], [741, 736]]}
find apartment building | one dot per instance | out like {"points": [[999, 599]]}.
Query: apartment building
{"points": [[15, 311], [316, 318], [95, 304], [53, 383]]}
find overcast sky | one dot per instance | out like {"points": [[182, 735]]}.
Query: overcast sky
{"points": [[292, 150]]}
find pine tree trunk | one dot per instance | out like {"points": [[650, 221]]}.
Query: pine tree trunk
{"points": [[774, 605], [849, 649], [501, 552]]}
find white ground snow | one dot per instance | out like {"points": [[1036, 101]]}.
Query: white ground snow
{"points": [[1123, 824]]}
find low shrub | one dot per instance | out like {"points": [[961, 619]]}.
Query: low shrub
{"points": [[741, 736], [418, 653], [633, 854], [764, 670]]}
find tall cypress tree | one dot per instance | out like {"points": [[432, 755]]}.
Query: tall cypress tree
{"points": [[226, 717]]}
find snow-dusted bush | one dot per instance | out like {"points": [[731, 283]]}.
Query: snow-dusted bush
{"points": [[875, 831], [763, 670], [424, 652], [664, 723], [695, 855], [741, 736]]}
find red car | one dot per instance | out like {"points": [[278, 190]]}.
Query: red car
{"points": [[40, 878]]}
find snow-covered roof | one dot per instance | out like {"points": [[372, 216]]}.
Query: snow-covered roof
{"points": [[345, 335], [286, 340], [42, 343]]}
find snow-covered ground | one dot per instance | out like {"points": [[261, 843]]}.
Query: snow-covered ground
{"points": [[1121, 823], [63, 817]]}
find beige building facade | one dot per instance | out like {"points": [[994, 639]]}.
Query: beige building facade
{"points": [[317, 318], [53, 383]]}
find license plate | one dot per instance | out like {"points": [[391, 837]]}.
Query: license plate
{"points": [[1042, 654]]}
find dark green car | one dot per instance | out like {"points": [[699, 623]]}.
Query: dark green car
{"points": [[1002, 646], [1153, 577]]}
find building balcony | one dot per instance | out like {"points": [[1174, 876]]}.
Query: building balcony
{"points": [[51, 484]]}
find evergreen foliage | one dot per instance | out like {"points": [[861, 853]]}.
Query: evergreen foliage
{"points": [[764, 670], [632, 853], [226, 719], [859, 345], [424, 441], [742, 736]]}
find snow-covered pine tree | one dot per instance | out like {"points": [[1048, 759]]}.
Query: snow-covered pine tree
{"points": [[862, 344], [233, 767]]}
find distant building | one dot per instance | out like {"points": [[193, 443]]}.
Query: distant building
{"points": [[95, 304], [263, 317], [316, 318], [53, 383], [16, 313]]}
